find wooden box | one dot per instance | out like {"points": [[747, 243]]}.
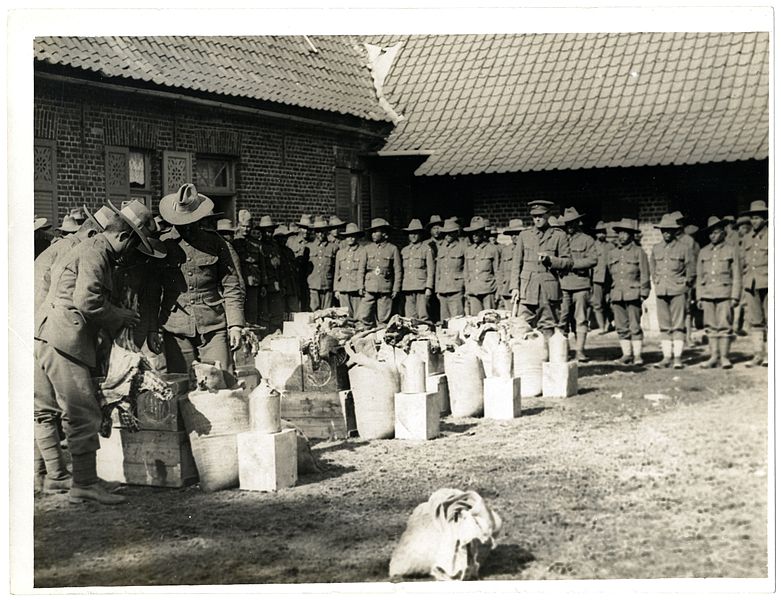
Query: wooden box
{"points": [[330, 375], [502, 398], [283, 369], [154, 458], [318, 414], [417, 416], [161, 416], [267, 461], [437, 384], [559, 380]]}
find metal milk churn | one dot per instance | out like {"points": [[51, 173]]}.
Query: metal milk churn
{"points": [[265, 408], [558, 348]]}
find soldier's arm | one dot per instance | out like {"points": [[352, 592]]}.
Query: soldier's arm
{"points": [[233, 290], [337, 267], [563, 260], [397, 270], [514, 276], [652, 264], [737, 274], [362, 260], [691, 267], [89, 295], [430, 267], [590, 258], [645, 275], [700, 277]]}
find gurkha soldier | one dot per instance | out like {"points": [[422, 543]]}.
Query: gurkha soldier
{"points": [[272, 294], [506, 263], [686, 235], [481, 268], [336, 228], [576, 280], [599, 276], [436, 236], [540, 251], [382, 275], [631, 285], [350, 270], [289, 270], [298, 242], [322, 255], [226, 230], [449, 273], [417, 285], [76, 307], [744, 229], [732, 236], [248, 251], [718, 291], [673, 270], [755, 260], [200, 289]]}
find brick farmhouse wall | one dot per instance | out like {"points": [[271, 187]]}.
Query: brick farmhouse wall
{"points": [[283, 169]]}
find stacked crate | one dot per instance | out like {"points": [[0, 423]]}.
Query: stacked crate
{"points": [[157, 455]]}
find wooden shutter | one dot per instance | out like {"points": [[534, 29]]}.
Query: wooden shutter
{"points": [[177, 170], [45, 182], [117, 181], [343, 188]]}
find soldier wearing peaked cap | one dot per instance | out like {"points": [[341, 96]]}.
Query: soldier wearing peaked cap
{"points": [[540, 253], [350, 270], [417, 285], [481, 268], [506, 261], [718, 291], [600, 276], [320, 269], [673, 271], [449, 273], [382, 275], [631, 285], [200, 290], [77, 306], [755, 278]]}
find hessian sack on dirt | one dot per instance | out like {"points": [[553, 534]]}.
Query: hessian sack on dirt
{"points": [[446, 537]]}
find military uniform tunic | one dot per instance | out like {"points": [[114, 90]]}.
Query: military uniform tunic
{"points": [[631, 284], [481, 268], [576, 282], [382, 277], [673, 270], [272, 305], [418, 276], [290, 279], [449, 279], [755, 277], [505, 268], [320, 280], [44, 264], [251, 263], [599, 278], [718, 282], [349, 276]]}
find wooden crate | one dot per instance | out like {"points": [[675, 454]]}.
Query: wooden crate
{"points": [[164, 416], [318, 414], [154, 458], [329, 376], [283, 369]]}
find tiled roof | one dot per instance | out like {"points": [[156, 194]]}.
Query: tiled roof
{"points": [[503, 103], [273, 68]]}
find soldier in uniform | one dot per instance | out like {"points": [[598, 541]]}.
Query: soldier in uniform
{"points": [[248, 251], [298, 242], [481, 268], [336, 227], [506, 262], [449, 273], [686, 236], [41, 226], [493, 236], [631, 285], [718, 291], [350, 270], [200, 289], [730, 229], [272, 294], [673, 270], [599, 277], [290, 280], [436, 236], [540, 251], [322, 255], [755, 279], [417, 285], [76, 307], [382, 279], [744, 228], [576, 280], [226, 230]]}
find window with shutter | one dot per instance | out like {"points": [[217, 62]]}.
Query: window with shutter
{"points": [[45, 180], [117, 179], [177, 170]]}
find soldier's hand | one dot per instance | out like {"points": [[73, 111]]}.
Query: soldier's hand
{"points": [[393, 295], [234, 337], [545, 259], [154, 341], [129, 318], [252, 280], [263, 291], [428, 292]]}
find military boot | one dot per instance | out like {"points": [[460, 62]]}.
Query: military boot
{"points": [[678, 354], [599, 316], [95, 492], [637, 350], [724, 344], [626, 352], [713, 359], [758, 338], [667, 352], [580, 354]]}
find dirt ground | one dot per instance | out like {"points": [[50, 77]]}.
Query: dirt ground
{"points": [[603, 485]]}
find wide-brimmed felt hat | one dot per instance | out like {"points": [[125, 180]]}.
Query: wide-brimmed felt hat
{"points": [[137, 216], [668, 221], [743, 219], [571, 214], [101, 218], [336, 222], [150, 224], [600, 226], [305, 221], [554, 221], [41, 223], [350, 230], [69, 224], [714, 222], [414, 226], [729, 218], [691, 229], [677, 215], [540, 207], [515, 226], [476, 224], [293, 228], [281, 230], [450, 226], [158, 249], [434, 220], [757, 207], [162, 225], [186, 206], [626, 224], [493, 230], [378, 224], [225, 225], [266, 222], [319, 224], [244, 218]]}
